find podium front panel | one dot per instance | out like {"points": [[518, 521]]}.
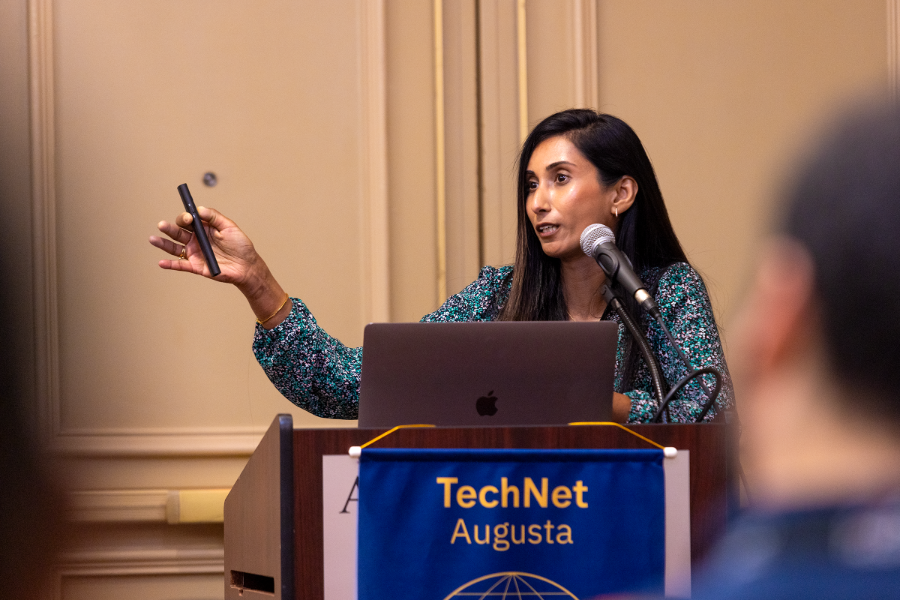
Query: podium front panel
{"points": [[711, 482]]}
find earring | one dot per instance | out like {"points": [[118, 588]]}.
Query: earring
{"points": [[617, 212]]}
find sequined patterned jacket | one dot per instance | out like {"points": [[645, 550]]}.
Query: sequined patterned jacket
{"points": [[321, 375]]}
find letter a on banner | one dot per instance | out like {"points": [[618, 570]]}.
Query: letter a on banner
{"points": [[463, 523]]}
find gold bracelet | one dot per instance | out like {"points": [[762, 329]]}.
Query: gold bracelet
{"points": [[270, 317]]}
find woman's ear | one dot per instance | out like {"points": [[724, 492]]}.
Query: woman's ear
{"points": [[626, 190]]}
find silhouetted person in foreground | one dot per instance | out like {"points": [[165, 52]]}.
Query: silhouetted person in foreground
{"points": [[32, 529], [817, 372]]}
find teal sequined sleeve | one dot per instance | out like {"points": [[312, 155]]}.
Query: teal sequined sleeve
{"points": [[321, 375], [686, 309], [309, 367], [480, 301]]}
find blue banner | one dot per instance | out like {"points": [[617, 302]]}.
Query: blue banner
{"points": [[490, 524]]}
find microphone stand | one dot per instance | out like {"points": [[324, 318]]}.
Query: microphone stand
{"points": [[656, 374]]}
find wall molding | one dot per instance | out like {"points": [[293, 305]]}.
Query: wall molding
{"points": [[148, 506], [43, 198], [158, 444], [893, 47], [373, 62], [586, 59], [164, 442], [142, 561], [462, 180], [134, 561], [118, 506], [500, 124], [522, 50], [440, 152]]}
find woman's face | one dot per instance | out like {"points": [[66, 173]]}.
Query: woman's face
{"points": [[565, 195]]}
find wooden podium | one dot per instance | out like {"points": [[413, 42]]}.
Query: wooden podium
{"points": [[274, 517]]}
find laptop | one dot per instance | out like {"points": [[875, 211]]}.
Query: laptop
{"points": [[487, 373]]}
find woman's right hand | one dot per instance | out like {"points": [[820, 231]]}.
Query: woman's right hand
{"points": [[233, 249], [238, 260]]}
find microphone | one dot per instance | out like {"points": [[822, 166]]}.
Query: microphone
{"points": [[599, 243]]}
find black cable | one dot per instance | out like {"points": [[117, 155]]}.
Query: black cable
{"points": [[684, 381], [656, 374]]}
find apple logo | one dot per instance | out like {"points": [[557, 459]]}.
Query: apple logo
{"points": [[486, 405]]}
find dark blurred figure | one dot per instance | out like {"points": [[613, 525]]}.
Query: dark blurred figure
{"points": [[31, 519], [817, 372]]}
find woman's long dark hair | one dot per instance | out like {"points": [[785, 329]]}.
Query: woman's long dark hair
{"points": [[644, 234]]}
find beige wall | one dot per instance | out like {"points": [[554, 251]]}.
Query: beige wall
{"points": [[723, 94], [322, 123]]}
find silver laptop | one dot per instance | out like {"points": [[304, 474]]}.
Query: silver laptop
{"points": [[487, 374]]}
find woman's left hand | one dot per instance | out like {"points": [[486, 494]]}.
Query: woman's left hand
{"points": [[621, 407]]}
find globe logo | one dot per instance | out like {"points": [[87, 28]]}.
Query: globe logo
{"points": [[511, 584]]}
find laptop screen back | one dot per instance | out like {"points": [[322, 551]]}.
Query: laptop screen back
{"points": [[487, 373]]}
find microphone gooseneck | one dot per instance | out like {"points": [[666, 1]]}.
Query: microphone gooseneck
{"points": [[657, 379]]}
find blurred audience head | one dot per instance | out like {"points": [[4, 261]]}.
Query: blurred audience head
{"points": [[845, 212], [817, 345]]}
